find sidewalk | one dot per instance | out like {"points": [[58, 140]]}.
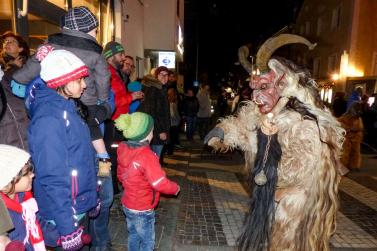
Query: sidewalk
{"points": [[208, 214]]}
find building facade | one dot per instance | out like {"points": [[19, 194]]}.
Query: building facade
{"points": [[152, 32], [346, 35]]}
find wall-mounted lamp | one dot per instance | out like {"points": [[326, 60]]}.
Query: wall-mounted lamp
{"points": [[23, 12]]}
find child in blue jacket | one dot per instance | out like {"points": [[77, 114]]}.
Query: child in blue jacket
{"points": [[65, 185]]}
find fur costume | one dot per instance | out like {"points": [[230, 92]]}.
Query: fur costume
{"points": [[295, 209], [352, 123]]}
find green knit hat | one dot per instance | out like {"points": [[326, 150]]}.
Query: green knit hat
{"points": [[135, 126], [112, 48]]}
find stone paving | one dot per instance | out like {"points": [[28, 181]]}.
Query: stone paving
{"points": [[208, 213]]}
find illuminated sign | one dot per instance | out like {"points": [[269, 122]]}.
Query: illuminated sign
{"points": [[166, 58]]}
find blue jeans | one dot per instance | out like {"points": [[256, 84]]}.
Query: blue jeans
{"points": [[191, 124], [98, 226], [140, 226], [157, 149]]}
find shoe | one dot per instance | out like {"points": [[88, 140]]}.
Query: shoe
{"points": [[178, 146]]}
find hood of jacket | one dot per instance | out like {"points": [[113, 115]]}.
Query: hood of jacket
{"points": [[133, 148], [150, 81], [75, 39], [38, 95]]}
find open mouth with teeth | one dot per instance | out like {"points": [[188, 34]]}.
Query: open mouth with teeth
{"points": [[258, 102]]}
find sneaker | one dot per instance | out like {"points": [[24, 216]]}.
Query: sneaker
{"points": [[178, 146]]}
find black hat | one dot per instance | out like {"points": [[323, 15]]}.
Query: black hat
{"points": [[112, 48], [80, 19]]}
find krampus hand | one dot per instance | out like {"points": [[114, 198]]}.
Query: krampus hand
{"points": [[214, 136]]}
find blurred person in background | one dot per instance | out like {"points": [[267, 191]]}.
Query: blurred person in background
{"points": [[339, 104], [204, 113], [15, 120], [175, 121], [14, 54], [190, 108], [352, 123]]}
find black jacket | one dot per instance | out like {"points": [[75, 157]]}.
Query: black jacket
{"points": [[156, 104], [190, 106]]}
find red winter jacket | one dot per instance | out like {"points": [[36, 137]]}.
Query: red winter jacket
{"points": [[141, 175], [123, 98]]}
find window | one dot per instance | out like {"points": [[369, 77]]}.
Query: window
{"points": [[307, 28], [319, 26], [335, 18], [316, 67], [302, 30], [333, 63]]}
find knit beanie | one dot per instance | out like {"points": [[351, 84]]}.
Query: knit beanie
{"points": [[80, 19], [59, 67], [12, 160], [112, 48], [135, 126]]}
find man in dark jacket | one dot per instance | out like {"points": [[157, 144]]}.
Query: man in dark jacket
{"points": [[190, 107], [156, 104]]}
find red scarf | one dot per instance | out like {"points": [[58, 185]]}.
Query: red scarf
{"points": [[16, 206]]}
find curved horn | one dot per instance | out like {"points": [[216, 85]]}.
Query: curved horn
{"points": [[268, 48]]}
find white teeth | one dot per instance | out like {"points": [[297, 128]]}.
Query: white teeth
{"points": [[258, 102]]}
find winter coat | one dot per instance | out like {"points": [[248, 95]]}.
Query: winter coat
{"points": [[204, 105], [86, 48], [141, 175], [15, 210], [190, 106], [156, 104], [63, 155], [6, 222], [15, 120], [123, 98]]}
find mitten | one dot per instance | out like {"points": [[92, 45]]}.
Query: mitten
{"points": [[216, 132], [15, 246], [94, 212], [75, 241]]}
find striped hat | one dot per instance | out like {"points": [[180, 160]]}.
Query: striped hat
{"points": [[59, 67], [135, 126], [112, 48], [80, 19], [12, 160]]}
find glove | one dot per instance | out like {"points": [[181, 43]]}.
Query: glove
{"points": [[75, 241], [216, 132], [104, 167], [94, 212]]}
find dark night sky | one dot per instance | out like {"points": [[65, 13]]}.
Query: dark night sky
{"points": [[220, 27]]}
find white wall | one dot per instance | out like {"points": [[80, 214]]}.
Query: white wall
{"points": [[132, 30], [159, 24]]}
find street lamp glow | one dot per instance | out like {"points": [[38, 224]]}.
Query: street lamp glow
{"points": [[335, 77]]}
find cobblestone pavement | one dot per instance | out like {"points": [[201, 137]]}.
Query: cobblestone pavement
{"points": [[208, 213]]}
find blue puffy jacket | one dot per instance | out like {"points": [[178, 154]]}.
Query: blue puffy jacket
{"points": [[61, 149]]}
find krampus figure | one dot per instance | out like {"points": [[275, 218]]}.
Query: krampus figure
{"points": [[292, 144]]}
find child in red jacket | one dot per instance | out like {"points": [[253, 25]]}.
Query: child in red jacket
{"points": [[142, 178]]}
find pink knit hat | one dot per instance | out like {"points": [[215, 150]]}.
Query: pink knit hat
{"points": [[59, 67]]}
